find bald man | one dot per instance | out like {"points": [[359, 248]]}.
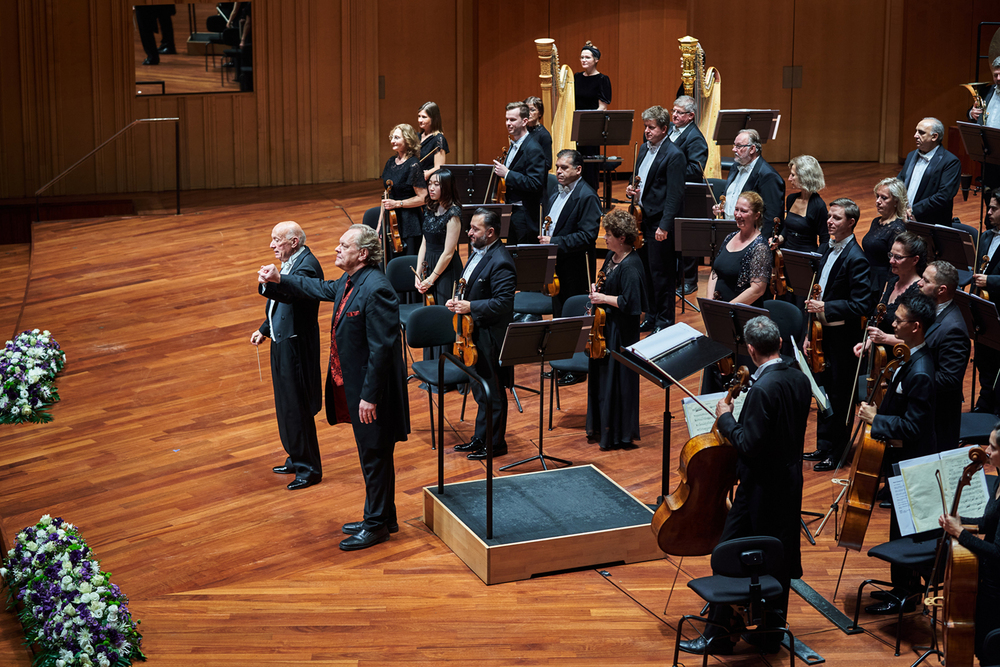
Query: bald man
{"points": [[292, 326]]}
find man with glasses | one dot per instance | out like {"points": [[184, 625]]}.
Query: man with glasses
{"points": [[846, 298], [686, 136], [751, 172]]}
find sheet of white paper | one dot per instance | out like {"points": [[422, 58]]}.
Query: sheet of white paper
{"points": [[925, 494], [901, 505], [804, 367], [699, 421], [663, 341]]}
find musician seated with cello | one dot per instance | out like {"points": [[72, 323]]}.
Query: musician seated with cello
{"points": [[768, 438], [905, 421], [987, 549], [620, 290], [490, 281], [523, 170]]}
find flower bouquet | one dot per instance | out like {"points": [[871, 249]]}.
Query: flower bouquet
{"points": [[28, 367], [71, 612]]}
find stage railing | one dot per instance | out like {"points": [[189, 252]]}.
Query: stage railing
{"points": [[177, 158]]}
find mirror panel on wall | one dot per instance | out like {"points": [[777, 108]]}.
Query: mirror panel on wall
{"points": [[193, 48]]}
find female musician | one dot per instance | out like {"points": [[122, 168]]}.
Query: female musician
{"points": [[612, 389], [987, 548], [593, 91], [987, 359], [805, 217], [538, 132], [431, 137], [409, 189], [907, 259], [890, 202], [439, 244], [742, 268]]}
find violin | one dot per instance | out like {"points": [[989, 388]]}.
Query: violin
{"points": [[464, 348], [689, 521], [500, 197], [982, 269], [866, 469], [397, 242], [779, 286], [816, 361], [428, 297], [552, 288], [597, 346], [722, 211], [961, 579], [633, 208]]}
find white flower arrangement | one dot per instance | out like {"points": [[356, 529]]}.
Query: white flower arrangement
{"points": [[28, 367]]}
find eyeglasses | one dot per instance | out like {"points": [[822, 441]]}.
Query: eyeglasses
{"points": [[896, 320], [742, 145], [899, 258]]}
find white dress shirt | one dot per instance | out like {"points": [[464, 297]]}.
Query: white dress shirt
{"points": [[558, 204], [919, 167], [736, 187]]}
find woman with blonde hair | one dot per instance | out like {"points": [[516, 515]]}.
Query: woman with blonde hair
{"points": [[805, 210], [409, 189], [890, 202]]}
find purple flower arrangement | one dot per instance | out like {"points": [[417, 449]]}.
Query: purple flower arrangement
{"points": [[71, 612], [28, 368]]}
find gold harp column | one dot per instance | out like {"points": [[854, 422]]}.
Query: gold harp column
{"points": [[706, 89]]}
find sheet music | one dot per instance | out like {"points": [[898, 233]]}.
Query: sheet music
{"points": [[821, 400], [924, 494], [901, 505], [699, 421], [662, 342]]}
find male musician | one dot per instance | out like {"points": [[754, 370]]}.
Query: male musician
{"points": [[490, 281], [366, 376], [905, 421], [686, 136], [931, 175], [751, 172], [768, 439], [987, 359], [524, 169], [989, 115], [660, 172], [948, 341], [847, 296], [291, 325], [575, 213]]}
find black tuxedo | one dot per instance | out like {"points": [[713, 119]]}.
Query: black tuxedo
{"points": [[661, 198], [294, 335], [987, 359], [490, 293], [938, 187], [692, 143], [574, 233], [766, 182], [525, 182], [371, 356], [848, 297], [948, 340]]}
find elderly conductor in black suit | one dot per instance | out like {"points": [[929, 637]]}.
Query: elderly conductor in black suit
{"points": [[768, 438], [366, 377], [290, 323]]}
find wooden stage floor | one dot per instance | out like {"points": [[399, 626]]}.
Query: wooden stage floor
{"points": [[162, 446]]}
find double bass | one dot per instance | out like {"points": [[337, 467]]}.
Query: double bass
{"points": [[690, 520], [465, 348]]}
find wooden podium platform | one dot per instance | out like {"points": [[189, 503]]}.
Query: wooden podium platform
{"points": [[543, 522]]}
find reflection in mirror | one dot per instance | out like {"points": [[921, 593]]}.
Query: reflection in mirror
{"points": [[193, 48]]}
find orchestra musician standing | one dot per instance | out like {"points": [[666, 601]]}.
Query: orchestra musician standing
{"points": [[741, 270], [987, 359], [931, 175], [750, 171], [686, 135], [536, 113], [490, 282], [805, 215], [524, 170], [988, 115], [409, 189], [613, 389], [891, 203], [908, 259], [660, 172], [768, 438], [846, 297], [432, 139]]}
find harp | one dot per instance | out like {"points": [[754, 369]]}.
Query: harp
{"points": [[558, 95], [705, 86]]}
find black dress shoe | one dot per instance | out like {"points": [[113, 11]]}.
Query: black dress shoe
{"points": [[284, 470], [168, 50], [648, 324], [150, 61], [355, 527], [690, 288], [566, 379], [825, 465], [365, 538], [302, 482], [890, 607], [889, 596], [471, 445], [700, 646], [818, 455], [480, 453]]}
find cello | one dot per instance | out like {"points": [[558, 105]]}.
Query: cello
{"points": [[690, 520], [464, 348], [597, 346], [393, 222]]}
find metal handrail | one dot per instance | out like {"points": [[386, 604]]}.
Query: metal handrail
{"points": [[177, 156]]}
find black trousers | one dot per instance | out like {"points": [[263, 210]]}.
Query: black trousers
{"points": [[662, 261], [296, 421], [375, 452]]}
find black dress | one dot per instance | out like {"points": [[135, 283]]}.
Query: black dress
{"points": [[801, 232], [405, 177], [429, 144], [876, 245], [987, 549], [737, 270], [544, 139], [613, 389], [890, 308], [591, 90], [435, 232]]}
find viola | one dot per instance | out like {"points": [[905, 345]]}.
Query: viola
{"points": [[500, 197], [393, 222], [597, 346], [552, 288], [816, 361], [982, 269], [779, 286], [689, 521], [464, 348]]}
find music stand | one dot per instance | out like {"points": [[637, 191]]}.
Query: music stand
{"points": [[948, 243], [698, 202], [700, 237], [983, 322], [733, 121], [800, 270], [548, 340], [982, 144], [603, 127], [724, 322], [469, 210], [471, 180], [535, 267], [662, 361]]}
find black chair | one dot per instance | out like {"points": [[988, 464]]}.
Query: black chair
{"points": [[399, 271], [718, 186], [991, 650], [579, 363], [915, 552], [790, 321], [431, 326], [744, 578], [976, 428]]}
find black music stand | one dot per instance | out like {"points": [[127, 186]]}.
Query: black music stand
{"points": [[469, 210], [948, 243], [700, 237], [733, 121], [724, 323], [535, 267], [548, 340], [665, 365], [603, 127], [983, 322], [471, 181], [801, 268], [982, 144]]}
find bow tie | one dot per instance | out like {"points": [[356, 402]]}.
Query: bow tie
{"points": [[565, 189], [836, 245]]}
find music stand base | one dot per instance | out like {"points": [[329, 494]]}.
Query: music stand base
{"points": [[538, 457]]}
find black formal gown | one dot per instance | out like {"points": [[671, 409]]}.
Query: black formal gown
{"points": [[613, 389], [987, 549], [876, 244], [428, 144], [405, 177], [435, 233], [801, 232], [590, 92], [736, 270], [890, 307]]}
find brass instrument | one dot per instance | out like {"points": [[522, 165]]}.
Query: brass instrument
{"points": [[977, 100], [705, 86]]}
